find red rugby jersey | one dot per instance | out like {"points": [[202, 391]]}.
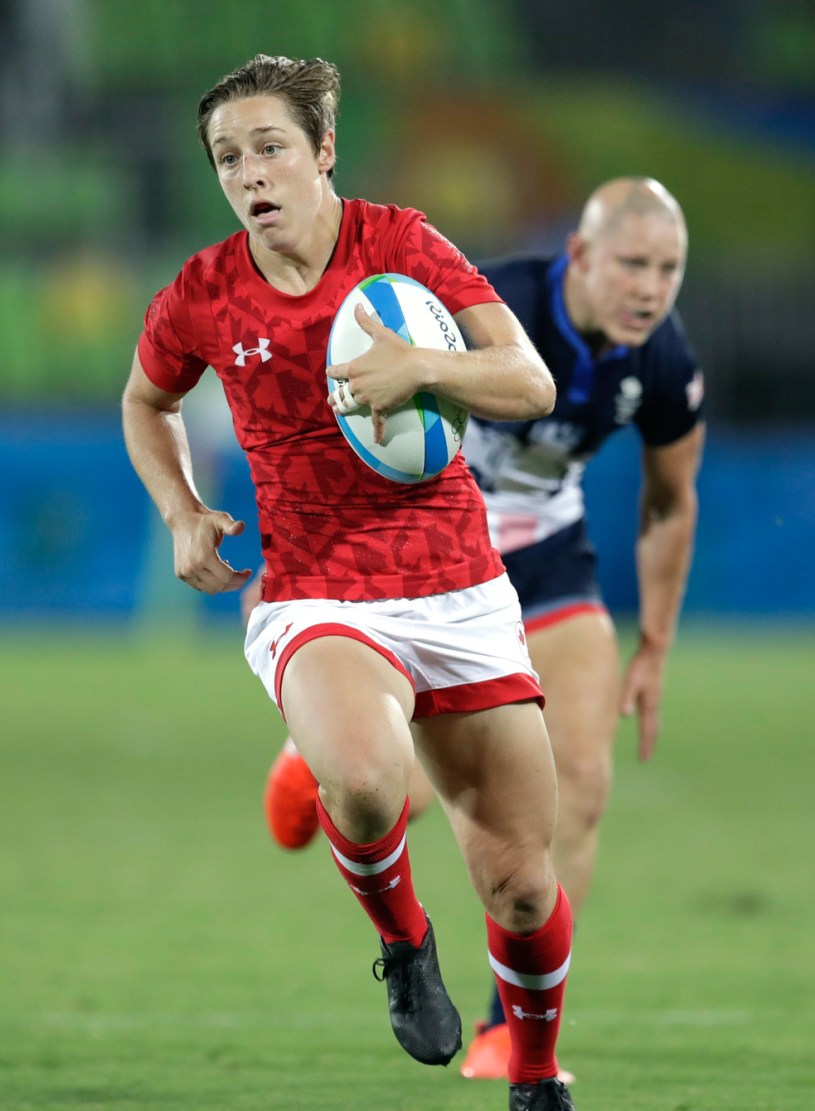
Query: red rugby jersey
{"points": [[330, 526]]}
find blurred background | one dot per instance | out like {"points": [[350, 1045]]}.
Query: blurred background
{"points": [[496, 118]]}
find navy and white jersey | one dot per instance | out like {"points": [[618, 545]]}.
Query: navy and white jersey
{"points": [[530, 472]]}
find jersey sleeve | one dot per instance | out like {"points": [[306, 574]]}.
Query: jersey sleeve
{"points": [[167, 346], [421, 251], [674, 401]]}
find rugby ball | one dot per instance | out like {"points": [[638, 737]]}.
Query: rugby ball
{"points": [[423, 435]]}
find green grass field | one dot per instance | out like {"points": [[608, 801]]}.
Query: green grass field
{"points": [[158, 952]]}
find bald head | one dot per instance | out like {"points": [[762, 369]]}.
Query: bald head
{"points": [[610, 203], [626, 262]]}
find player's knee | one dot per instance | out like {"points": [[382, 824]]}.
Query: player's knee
{"points": [[520, 899], [370, 796], [584, 787]]}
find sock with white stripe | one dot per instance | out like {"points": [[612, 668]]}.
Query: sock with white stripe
{"points": [[530, 971], [379, 875]]}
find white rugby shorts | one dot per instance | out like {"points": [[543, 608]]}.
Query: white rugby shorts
{"points": [[461, 651]]}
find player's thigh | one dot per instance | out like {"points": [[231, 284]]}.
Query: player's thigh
{"points": [[348, 707], [494, 774], [578, 664]]}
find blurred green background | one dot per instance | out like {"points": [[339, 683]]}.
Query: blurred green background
{"points": [[495, 118]]}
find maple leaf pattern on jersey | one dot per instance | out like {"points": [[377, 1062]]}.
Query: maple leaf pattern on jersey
{"points": [[330, 526]]}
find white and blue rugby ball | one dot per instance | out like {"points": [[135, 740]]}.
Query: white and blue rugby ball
{"points": [[423, 435]]}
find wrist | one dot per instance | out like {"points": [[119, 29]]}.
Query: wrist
{"points": [[430, 366], [181, 515], [656, 643]]}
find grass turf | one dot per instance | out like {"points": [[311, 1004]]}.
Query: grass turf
{"points": [[157, 952]]}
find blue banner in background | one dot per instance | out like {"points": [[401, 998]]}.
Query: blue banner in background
{"points": [[756, 534], [81, 540], [74, 519]]}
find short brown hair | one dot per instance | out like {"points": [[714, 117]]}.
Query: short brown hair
{"points": [[310, 87]]}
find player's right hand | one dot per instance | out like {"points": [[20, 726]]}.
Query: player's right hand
{"points": [[196, 539]]}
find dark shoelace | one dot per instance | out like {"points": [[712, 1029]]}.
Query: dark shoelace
{"points": [[384, 968]]}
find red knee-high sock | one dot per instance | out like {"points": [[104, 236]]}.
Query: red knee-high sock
{"points": [[379, 875], [530, 970]]}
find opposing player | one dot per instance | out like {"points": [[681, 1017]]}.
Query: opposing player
{"points": [[356, 564], [602, 315]]}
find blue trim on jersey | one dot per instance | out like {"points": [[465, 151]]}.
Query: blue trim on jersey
{"points": [[582, 382], [651, 386]]}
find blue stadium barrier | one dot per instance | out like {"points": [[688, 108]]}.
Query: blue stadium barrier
{"points": [[756, 522], [73, 518], [81, 540]]}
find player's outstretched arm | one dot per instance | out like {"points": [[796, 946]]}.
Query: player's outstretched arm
{"points": [[664, 552], [157, 444]]}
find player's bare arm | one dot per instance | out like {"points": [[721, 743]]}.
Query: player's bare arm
{"points": [[668, 515], [500, 377], [158, 448]]}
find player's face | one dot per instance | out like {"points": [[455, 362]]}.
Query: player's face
{"points": [[630, 276], [268, 170]]}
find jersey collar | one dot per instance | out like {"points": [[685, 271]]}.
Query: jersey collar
{"points": [[583, 373]]}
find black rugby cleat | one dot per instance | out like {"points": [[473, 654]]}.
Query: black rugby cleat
{"points": [[546, 1095], [424, 1020]]}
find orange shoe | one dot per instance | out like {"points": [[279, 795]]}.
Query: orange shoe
{"points": [[290, 799], [488, 1055]]}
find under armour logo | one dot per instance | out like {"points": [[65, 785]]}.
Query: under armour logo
{"points": [[274, 644], [262, 349], [393, 883], [548, 1015]]}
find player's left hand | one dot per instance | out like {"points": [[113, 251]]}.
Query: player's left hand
{"points": [[642, 694], [383, 377]]}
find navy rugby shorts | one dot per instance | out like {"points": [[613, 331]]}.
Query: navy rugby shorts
{"points": [[556, 578]]}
